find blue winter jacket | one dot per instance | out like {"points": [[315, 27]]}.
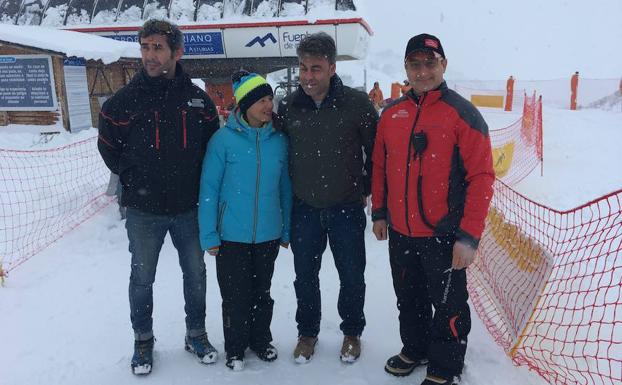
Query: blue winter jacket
{"points": [[245, 193]]}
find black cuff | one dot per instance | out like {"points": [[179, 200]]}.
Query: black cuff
{"points": [[379, 214], [467, 238]]}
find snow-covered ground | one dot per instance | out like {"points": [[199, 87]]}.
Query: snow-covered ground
{"points": [[64, 314]]}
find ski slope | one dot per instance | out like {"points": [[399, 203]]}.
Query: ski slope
{"points": [[64, 314]]}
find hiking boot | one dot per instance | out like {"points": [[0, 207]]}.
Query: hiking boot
{"points": [[201, 347], [433, 380], [235, 363], [305, 348], [350, 349], [267, 353], [142, 360], [400, 365]]}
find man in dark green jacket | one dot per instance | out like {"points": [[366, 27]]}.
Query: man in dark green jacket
{"points": [[331, 129]]}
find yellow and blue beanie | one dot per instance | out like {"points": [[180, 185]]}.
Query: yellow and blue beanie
{"points": [[248, 88]]}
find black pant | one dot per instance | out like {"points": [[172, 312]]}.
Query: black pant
{"points": [[421, 279], [244, 272]]}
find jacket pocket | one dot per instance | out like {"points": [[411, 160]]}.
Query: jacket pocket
{"points": [[221, 213]]}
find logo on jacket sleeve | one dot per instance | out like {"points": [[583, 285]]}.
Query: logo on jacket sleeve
{"points": [[401, 114], [196, 103]]}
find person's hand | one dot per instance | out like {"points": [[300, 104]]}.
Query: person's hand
{"points": [[463, 256], [285, 245], [213, 251], [380, 229]]}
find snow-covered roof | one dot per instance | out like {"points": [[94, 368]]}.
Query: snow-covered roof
{"points": [[69, 43]]}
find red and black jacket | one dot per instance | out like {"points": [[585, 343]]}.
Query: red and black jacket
{"points": [[153, 133], [444, 190]]}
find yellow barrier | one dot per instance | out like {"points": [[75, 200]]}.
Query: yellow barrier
{"points": [[495, 101], [502, 159]]}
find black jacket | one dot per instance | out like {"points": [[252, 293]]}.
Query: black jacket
{"points": [[330, 146], [153, 134]]}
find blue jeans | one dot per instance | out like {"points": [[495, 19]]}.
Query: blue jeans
{"points": [[344, 227], [146, 234]]}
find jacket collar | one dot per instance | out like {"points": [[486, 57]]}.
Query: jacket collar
{"points": [[237, 123], [333, 97], [160, 83], [430, 96]]}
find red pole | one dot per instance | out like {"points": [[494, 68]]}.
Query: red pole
{"points": [[509, 96], [574, 85]]}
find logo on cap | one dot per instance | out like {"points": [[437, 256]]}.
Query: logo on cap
{"points": [[431, 43]]}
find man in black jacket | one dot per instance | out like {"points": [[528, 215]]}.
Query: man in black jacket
{"points": [[153, 134], [331, 129]]}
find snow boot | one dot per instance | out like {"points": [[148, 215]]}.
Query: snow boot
{"points": [[433, 380], [267, 353], [350, 349], [201, 347], [400, 365], [142, 360], [235, 363], [305, 348]]}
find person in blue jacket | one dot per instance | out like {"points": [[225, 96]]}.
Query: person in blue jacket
{"points": [[244, 214]]}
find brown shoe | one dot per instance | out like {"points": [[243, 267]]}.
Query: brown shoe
{"points": [[305, 348], [350, 349]]}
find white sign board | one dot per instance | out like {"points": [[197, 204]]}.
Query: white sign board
{"points": [[291, 36], [252, 42], [78, 101]]}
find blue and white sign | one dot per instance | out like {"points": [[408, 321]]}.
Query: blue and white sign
{"points": [[196, 44], [74, 62], [203, 43], [27, 83]]}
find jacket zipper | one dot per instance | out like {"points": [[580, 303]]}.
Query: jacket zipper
{"points": [[258, 152], [183, 124], [410, 145], [157, 130]]}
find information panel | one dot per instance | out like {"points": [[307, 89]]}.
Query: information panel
{"points": [[27, 83], [78, 101]]}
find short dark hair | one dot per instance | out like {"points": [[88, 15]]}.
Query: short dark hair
{"points": [[174, 37], [318, 44]]}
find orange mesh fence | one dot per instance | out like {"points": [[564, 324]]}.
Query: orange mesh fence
{"points": [[44, 194], [517, 148], [547, 285]]}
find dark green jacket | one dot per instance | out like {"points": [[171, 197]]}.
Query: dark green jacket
{"points": [[330, 146]]}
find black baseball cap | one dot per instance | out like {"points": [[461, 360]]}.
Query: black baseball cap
{"points": [[426, 43]]}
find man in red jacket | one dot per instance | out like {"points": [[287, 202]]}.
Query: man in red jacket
{"points": [[431, 187]]}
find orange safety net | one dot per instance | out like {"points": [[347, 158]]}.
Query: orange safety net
{"points": [[517, 148], [44, 194], [547, 285]]}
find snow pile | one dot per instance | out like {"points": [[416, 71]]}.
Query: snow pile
{"points": [[612, 102], [87, 46]]}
